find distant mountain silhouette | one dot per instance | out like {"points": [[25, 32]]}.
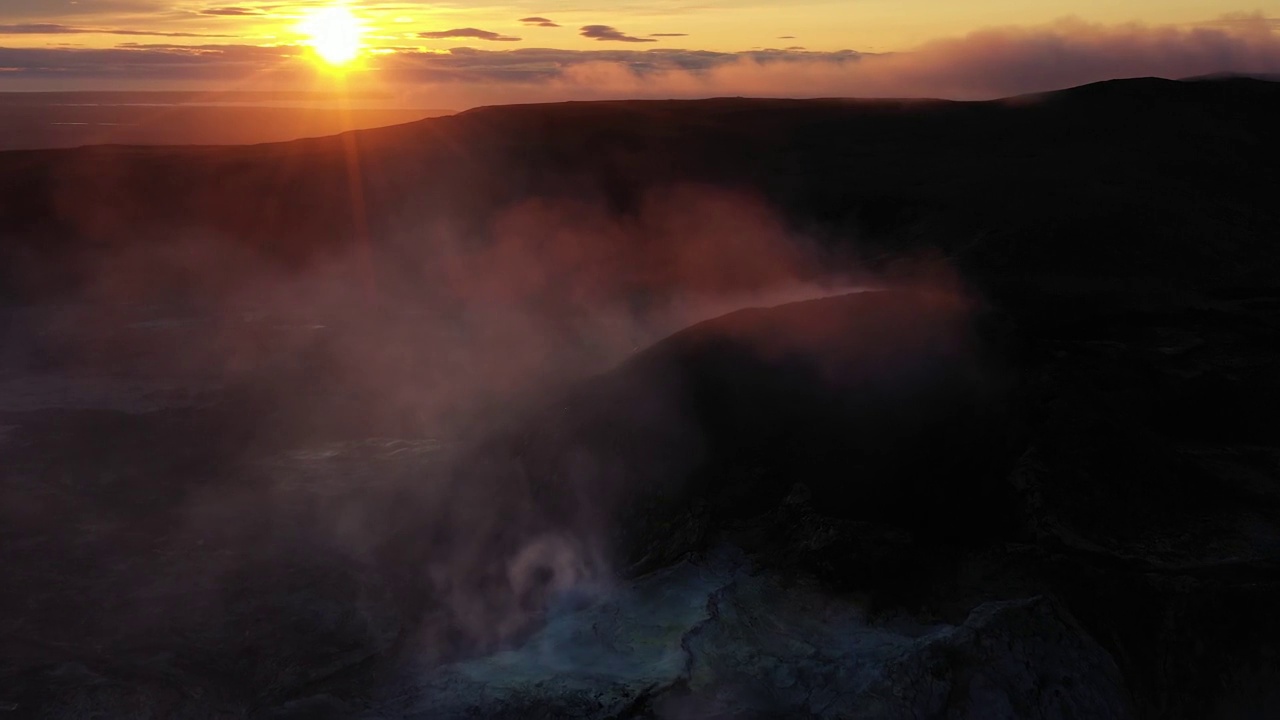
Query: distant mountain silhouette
{"points": [[1130, 178], [1269, 77]]}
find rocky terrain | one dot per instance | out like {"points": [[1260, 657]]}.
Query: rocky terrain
{"points": [[1015, 457]]}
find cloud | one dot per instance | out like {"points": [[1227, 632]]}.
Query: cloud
{"points": [[43, 10], [468, 33], [54, 29], [139, 64], [539, 22], [1242, 18], [38, 29], [668, 34], [232, 11], [988, 64], [786, 37], [607, 33], [1008, 61], [544, 65]]}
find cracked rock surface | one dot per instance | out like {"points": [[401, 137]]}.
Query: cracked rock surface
{"points": [[713, 638]]}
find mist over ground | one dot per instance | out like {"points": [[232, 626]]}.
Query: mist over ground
{"points": [[327, 414], [916, 408]]}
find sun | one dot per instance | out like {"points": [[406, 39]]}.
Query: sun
{"points": [[334, 34]]}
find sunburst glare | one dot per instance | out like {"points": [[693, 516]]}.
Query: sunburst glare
{"points": [[334, 34]]}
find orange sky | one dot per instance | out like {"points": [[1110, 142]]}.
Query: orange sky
{"points": [[724, 25], [73, 44]]}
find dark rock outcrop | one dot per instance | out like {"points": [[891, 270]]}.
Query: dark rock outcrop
{"points": [[1097, 474], [890, 407]]}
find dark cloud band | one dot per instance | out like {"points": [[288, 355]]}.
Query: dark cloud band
{"points": [[608, 33], [472, 33], [233, 11]]}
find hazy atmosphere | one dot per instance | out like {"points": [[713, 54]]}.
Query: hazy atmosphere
{"points": [[655, 361]]}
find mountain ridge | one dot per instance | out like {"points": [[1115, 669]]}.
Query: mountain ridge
{"points": [[1119, 179]]}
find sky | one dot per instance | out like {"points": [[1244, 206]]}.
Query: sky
{"points": [[466, 52]]}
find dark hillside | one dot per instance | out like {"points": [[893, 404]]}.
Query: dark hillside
{"points": [[1137, 178]]}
